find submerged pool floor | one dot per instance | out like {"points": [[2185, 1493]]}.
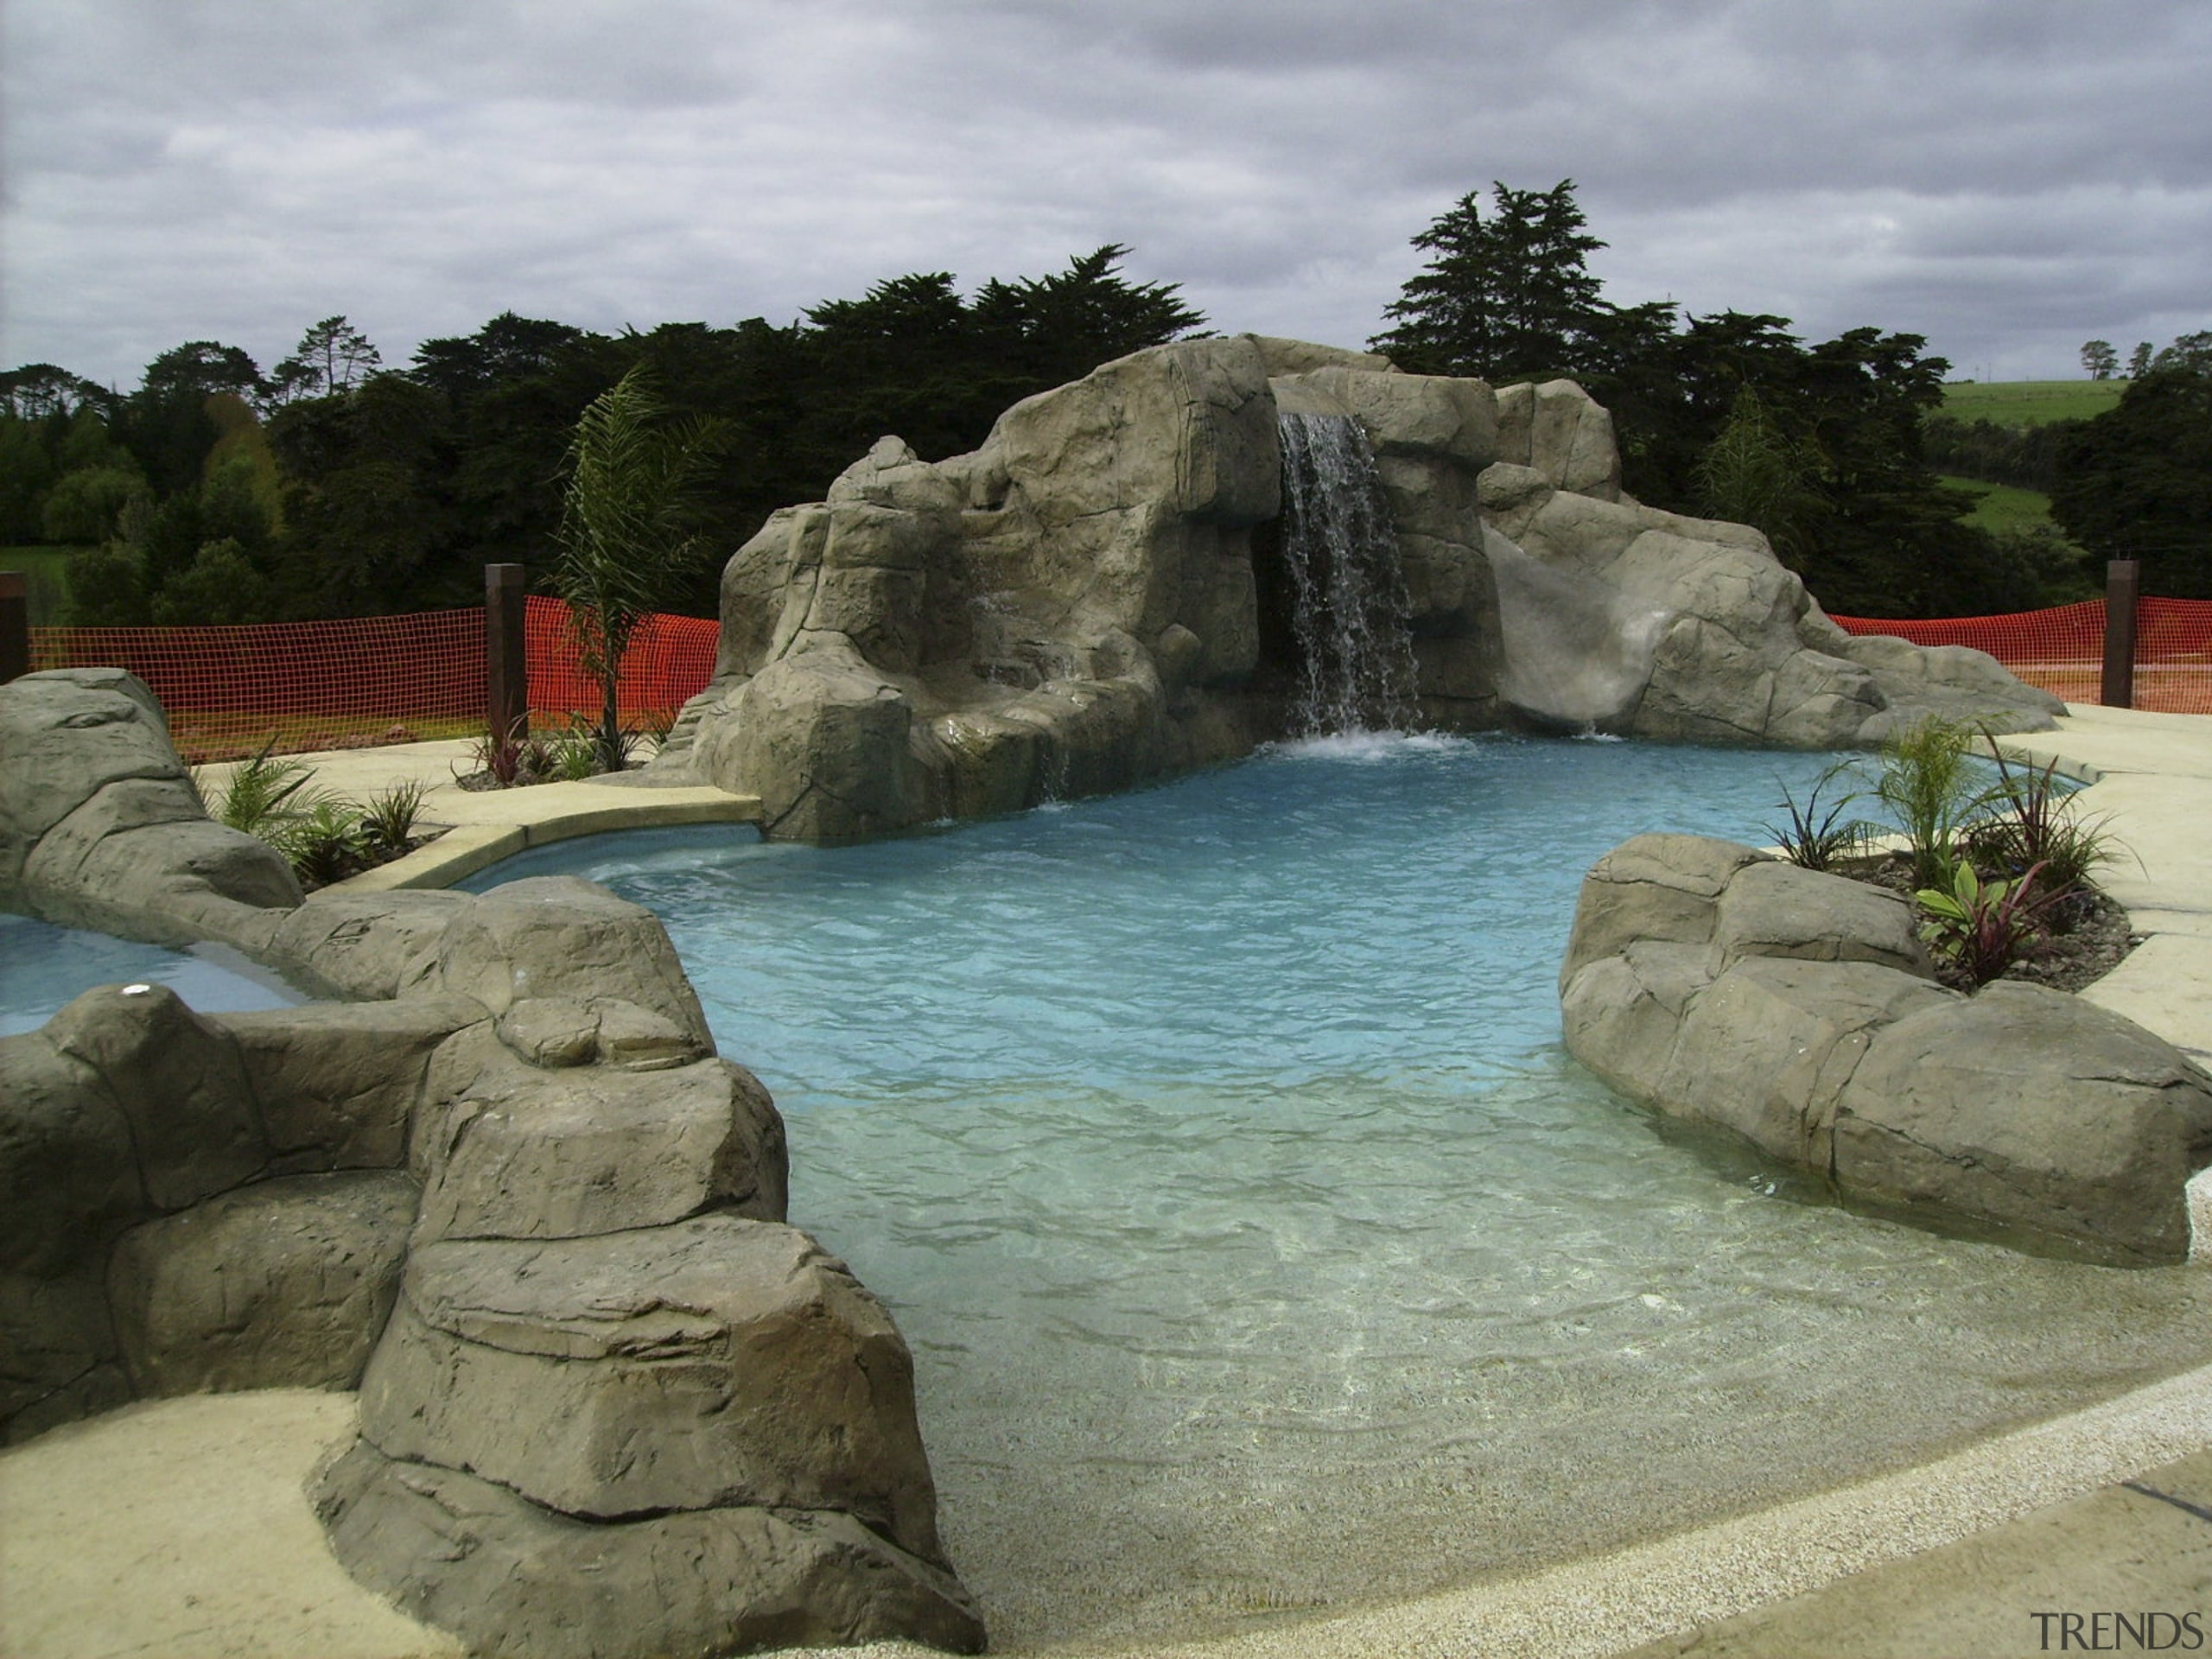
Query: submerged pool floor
{"points": [[1261, 1248]]}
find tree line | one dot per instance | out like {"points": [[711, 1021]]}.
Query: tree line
{"points": [[1834, 448], [334, 486]]}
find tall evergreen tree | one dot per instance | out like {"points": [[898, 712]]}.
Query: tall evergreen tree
{"points": [[1510, 299], [2136, 482]]}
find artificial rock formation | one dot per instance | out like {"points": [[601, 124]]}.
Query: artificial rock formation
{"points": [[100, 826], [1799, 1011], [611, 1404], [1098, 595]]}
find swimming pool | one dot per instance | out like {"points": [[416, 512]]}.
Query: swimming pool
{"points": [[43, 968], [1260, 1246]]}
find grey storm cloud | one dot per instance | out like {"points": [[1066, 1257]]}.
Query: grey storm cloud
{"points": [[2008, 177]]}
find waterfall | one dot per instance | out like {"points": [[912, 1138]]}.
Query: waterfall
{"points": [[1349, 609]]}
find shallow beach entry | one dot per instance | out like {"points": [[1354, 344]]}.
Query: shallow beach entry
{"points": [[1262, 1249]]}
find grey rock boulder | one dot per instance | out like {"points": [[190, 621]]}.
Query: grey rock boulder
{"points": [[283, 1284], [559, 936], [180, 1083], [1797, 1010], [2025, 1108], [369, 947], [100, 827], [1766, 1047], [1770, 908], [713, 1363], [338, 1083], [505, 1149], [1665, 888], [514, 1579]]}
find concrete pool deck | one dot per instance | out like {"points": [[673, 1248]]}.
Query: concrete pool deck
{"points": [[178, 1527], [484, 826]]}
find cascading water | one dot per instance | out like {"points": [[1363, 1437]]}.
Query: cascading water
{"points": [[1350, 608]]}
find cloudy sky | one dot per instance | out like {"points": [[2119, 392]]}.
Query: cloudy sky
{"points": [[2007, 177]]}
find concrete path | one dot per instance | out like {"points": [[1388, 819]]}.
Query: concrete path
{"points": [[2104, 1512], [483, 827]]}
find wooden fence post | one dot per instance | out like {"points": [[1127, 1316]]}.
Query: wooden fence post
{"points": [[506, 667], [15, 625], [2123, 583]]}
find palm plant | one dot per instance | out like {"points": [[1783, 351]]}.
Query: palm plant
{"points": [[1931, 782], [627, 530]]}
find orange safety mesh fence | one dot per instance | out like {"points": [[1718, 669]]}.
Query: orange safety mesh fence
{"points": [[372, 679], [2061, 649], [670, 658]]}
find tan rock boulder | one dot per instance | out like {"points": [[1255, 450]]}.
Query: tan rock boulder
{"points": [[1797, 1010], [719, 1362], [521, 1581], [282, 1284]]}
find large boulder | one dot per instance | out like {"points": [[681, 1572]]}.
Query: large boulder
{"points": [[100, 826], [180, 1083], [284, 1284], [2029, 1109], [561, 936], [506, 1149], [520, 1581], [718, 1362], [1798, 1011], [338, 1083], [69, 1186]]}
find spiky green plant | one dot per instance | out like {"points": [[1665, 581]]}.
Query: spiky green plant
{"points": [[2034, 823], [1932, 785], [265, 793], [627, 530], [388, 820], [1817, 840], [325, 844]]}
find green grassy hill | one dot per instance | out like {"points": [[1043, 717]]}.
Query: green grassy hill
{"points": [[2030, 402], [2001, 507]]}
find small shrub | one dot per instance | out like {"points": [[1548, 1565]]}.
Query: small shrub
{"points": [[388, 820], [1929, 781], [1817, 840], [325, 844], [1982, 927], [500, 755], [2035, 826]]}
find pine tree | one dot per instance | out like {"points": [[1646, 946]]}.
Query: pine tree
{"points": [[1512, 299]]}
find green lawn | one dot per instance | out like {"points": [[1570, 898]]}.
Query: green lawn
{"points": [[45, 569], [2030, 402], [2001, 507]]}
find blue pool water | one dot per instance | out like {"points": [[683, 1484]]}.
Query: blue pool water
{"points": [[1260, 1246], [42, 967]]}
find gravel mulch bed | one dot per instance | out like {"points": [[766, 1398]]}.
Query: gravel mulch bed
{"points": [[2086, 934]]}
